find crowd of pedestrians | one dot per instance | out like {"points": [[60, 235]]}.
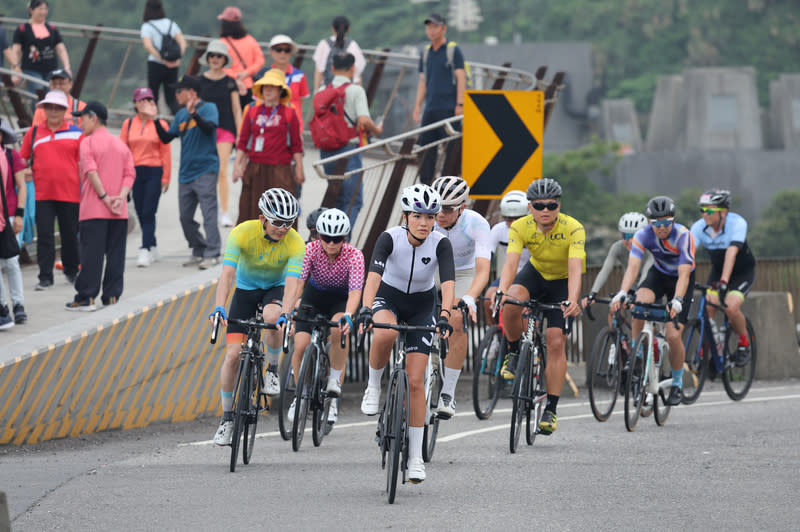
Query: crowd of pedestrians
{"points": [[70, 171]]}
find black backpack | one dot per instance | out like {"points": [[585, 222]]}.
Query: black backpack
{"points": [[170, 49]]}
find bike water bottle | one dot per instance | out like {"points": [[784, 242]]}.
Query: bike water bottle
{"points": [[718, 335]]}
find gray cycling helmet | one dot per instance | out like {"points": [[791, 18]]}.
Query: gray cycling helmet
{"points": [[278, 204], [659, 207], [544, 188], [453, 190], [311, 220], [716, 197]]}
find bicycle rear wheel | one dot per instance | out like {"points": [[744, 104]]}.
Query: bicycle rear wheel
{"points": [[698, 354], [302, 395], [249, 437], [637, 382], [395, 420], [537, 391], [520, 395], [240, 409], [661, 409], [604, 371], [737, 377], [431, 428], [320, 403], [285, 398], [486, 380]]}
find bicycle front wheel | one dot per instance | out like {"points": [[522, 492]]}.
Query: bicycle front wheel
{"points": [[737, 377], [241, 408], [249, 437], [537, 391], [661, 409], [486, 380], [320, 403], [302, 395], [285, 398], [520, 395], [395, 420], [431, 428], [604, 371], [695, 366], [637, 382]]}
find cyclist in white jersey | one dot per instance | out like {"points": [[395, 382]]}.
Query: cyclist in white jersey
{"points": [[400, 287], [468, 233]]}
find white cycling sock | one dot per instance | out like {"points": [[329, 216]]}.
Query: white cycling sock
{"points": [[450, 381], [375, 377], [273, 353], [335, 374], [227, 401], [415, 441]]}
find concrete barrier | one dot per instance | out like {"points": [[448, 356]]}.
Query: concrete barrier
{"points": [[154, 364], [5, 520], [776, 337]]}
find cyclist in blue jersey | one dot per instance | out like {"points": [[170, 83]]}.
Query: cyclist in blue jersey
{"points": [[400, 287], [265, 256], [672, 275], [733, 266]]}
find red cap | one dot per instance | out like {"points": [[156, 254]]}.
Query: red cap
{"points": [[231, 14], [141, 93]]}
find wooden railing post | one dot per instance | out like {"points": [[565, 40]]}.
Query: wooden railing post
{"points": [[23, 118], [83, 70], [375, 79], [334, 185]]}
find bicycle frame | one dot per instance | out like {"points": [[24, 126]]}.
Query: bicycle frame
{"points": [[706, 332]]}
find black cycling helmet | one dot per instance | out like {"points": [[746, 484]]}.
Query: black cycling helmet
{"points": [[659, 207], [716, 197], [311, 220], [544, 188]]}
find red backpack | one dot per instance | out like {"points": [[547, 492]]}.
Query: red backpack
{"points": [[329, 127]]}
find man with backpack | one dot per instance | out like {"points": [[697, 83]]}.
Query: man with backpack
{"points": [[442, 81], [341, 113]]}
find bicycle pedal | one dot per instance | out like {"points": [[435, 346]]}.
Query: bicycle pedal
{"points": [[544, 432]]}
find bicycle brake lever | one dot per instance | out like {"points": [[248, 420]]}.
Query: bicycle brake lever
{"points": [[215, 328], [286, 330]]}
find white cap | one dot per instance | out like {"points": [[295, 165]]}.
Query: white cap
{"points": [[55, 97], [283, 39]]}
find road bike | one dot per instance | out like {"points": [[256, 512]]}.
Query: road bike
{"points": [[487, 361], [392, 432], [647, 376], [604, 377], [312, 380], [529, 391], [709, 351], [248, 395]]}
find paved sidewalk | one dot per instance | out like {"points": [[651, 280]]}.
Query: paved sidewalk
{"points": [[46, 309]]}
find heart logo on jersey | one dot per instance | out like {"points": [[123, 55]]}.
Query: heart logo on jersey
{"points": [[426, 260]]}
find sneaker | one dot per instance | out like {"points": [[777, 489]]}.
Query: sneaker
{"points": [[6, 321], [43, 285], [741, 357], [272, 383], [447, 407], [369, 404], [548, 424], [225, 221], [333, 412], [224, 434], [19, 314], [144, 259], [509, 366], [208, 262], [155, 256], [675, 396], [416, 469], [87, 305], [333, 389], [193, 261], [290, 413]]}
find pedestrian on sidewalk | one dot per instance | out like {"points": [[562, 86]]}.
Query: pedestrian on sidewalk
{"points": [[153, 162], [107, 175], [244, 50], [196, 125], [16, 193], [61, 80], [329, 47], [220, 89], [53, 151], [281, 50], [156, 26]]}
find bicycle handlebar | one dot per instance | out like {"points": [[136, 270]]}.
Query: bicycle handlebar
{"points": [[464, 314], [443, 344], [248, 323], [705, 288], [656, 306], [319, 319], [588, 309], [536, 305]]}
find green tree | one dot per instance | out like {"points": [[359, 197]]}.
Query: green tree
{"points": [[775, 235]]}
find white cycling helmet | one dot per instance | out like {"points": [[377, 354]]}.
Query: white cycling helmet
{"points": [[630, 222], [422, 199], [514, 204], [278, 204], [452, 189], [333, 222]]}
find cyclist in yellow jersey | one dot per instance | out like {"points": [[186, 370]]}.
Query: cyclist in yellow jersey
{"points": [[265, 256], [553, 275]]}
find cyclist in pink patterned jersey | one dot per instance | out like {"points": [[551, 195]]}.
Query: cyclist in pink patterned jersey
{"points": [[333, 275]]}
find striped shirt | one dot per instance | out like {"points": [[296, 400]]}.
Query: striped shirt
{"points": [[55, 161]]}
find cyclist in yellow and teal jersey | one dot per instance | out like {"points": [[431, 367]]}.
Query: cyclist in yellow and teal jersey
{"points": [[265, 256]]}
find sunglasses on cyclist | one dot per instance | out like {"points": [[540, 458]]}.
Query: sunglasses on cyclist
{"points": [[450, 208], [551, 206], [212, 55], [662, 223], [280, 224], [283, 49], [710, 210], [331, 239], [627, 236]]}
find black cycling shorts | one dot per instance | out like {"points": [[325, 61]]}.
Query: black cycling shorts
{"points": [[544, 291], [323, 302], [411, 309], [245, 303], [664, 285], [739, 282]]}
